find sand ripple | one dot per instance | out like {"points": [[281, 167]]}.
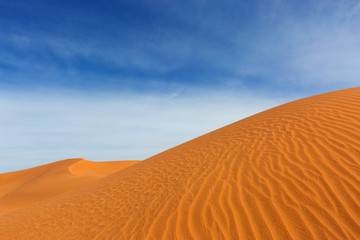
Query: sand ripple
{"points": [[292, 172]]}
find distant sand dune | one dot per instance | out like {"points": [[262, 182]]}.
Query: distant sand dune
{"points": [[23, 188], [292, 172]]}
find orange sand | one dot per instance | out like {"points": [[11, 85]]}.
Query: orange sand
{"points": [[292, 172], [22, 188]]}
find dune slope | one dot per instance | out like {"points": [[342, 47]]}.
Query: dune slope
{"points": [[23, 188], [292, 172]]}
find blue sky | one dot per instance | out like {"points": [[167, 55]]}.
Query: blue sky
{"points": [[142, 63]]}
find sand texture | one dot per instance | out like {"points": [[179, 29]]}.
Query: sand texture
{"points": [[23, 188], [291, 172]]}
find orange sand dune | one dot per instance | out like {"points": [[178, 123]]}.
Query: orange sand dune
{"points": [[22, 188], [292, 172]]}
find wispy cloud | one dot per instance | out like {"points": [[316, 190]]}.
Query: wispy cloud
{"points": [[263, 43]]}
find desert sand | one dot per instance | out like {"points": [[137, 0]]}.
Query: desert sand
{"points": [[23, 188], [291, 172]]}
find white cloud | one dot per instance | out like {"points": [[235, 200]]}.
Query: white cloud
{"points": [[44, 127], [316, 48]]}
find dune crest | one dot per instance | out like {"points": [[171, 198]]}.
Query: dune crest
{"points": [[22, 188], [291, 172], [98, 169]]}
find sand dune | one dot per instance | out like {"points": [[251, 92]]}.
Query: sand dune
{"points": [[292, 172], [22, 188]]}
